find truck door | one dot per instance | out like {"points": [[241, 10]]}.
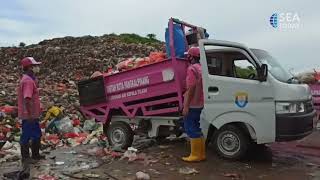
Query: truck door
{"points": [[233, 91]]}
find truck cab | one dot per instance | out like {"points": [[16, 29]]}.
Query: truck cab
{"points": [[249, 98]]}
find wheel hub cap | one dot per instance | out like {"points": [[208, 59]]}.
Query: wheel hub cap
{"points": [[229, 143], [117, 136]]}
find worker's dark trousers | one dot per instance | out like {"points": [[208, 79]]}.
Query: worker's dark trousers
{"points": [[192, 123], [30, 131]]}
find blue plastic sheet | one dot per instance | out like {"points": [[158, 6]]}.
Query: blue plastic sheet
{"points": [[179, 41]]}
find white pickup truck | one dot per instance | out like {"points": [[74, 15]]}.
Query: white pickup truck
{"points": [[262, 107]]}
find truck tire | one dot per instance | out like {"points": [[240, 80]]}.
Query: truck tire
{"points": [[120, 134], [230, 142]]}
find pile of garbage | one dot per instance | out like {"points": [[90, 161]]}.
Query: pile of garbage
{"points": [[9, 127], [132, 63], [65, 61], [70, 133]]}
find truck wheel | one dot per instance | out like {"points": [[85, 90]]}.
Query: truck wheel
{"points": [[120, 134], [231, 142]]}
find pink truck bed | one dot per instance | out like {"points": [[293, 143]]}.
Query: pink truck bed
{"points": [[155, 89], [152, 90]]}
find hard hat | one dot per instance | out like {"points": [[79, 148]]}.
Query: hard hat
{"points": [[28, 61], [194, 51]]}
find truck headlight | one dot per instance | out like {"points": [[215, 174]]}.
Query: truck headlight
{"points": [[290, 107]]}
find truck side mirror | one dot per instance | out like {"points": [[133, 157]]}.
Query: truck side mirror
{"points": [[263, 74]]}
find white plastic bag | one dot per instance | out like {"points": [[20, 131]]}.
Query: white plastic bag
{"points": [[64, 125]]}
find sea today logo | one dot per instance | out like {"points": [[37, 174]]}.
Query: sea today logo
{"points": [[288, 20]]}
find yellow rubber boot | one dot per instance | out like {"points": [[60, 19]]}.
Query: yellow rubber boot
{"points": [[203, 149], [195, 150]]}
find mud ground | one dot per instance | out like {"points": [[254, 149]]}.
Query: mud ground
{"points": [[277, 161]]}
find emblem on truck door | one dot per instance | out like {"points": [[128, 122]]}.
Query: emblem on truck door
{"points": [[241, 99]]}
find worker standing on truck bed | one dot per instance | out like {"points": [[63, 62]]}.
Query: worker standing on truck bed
{"points": [[193, 105], [29, 109]]}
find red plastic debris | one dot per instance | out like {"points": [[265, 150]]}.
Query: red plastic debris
{"points": [[157, 56], [2, 136], [103, 137], [76, 122], [8, 109], [53, 138], [43, 125], [81, 137], [46, 177], [112, 153], [5, 130], [125, 65], [18, 125], [70, 135], [109, 70], [80, 140]]}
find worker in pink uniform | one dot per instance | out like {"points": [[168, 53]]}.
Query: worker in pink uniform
{"points": [[29, 110], [193, 105]]}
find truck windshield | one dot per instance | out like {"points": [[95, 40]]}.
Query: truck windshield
{"points": [[274, 67]]}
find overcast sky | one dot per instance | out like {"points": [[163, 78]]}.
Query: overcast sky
{"points": [[244, 21]]}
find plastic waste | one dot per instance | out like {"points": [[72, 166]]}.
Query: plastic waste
{"points": [[82, 137], [76, 122], [53, 139], [91, 175], [157, 56], [71, 135], [89, 125], [188, 170], [2, 141], [72, 142], [8, 109], [77, 130], [132, 149], [64, 125], [7, 146], [81, 167], [70, 152], [14, 148], [46, 177], [126, 64], [94, 134], [95, 151], [59, 163], [94, 141], [2, 114], [142, 176], [132, 156], [112, 153]]}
